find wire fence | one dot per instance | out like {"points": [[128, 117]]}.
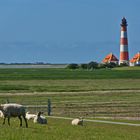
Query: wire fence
{"points": [[87, 110], [77, 108]]}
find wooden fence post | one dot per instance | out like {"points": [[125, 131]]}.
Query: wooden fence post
{"points": [[49, 107]]}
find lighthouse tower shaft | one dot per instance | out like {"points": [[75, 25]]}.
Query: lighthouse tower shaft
{"points": [[124, 55]]}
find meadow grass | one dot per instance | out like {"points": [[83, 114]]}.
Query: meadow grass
{"points": [[58, 129], [61, 74], [93, 104], [68, 85], [97, 93], [127, 68]]}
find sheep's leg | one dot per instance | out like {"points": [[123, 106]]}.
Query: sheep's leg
{"points": [[25, 121], [4, 120], [9, 121], [20, 120]]}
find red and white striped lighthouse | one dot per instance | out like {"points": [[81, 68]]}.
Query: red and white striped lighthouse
{"points": [[124, 55]]}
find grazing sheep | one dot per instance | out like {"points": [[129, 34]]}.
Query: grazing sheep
{"points": [[30, 116], [78, 121], [13, 110], [40, 119]]}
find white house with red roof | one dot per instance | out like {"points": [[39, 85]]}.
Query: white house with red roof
{"points": [[135, 60], [110, 58]]}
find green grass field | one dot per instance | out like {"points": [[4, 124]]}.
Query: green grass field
{"points": [[58, 129], [87, 104], [92, 94], [68, 85], [63, 74]]}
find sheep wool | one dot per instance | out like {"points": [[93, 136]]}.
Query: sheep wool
{"points": [[40, 119], [13, 110], [30, 116], [1, 114], [77, 121]]}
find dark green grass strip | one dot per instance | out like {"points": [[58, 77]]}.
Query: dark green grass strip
{"points": [[54, 74]]}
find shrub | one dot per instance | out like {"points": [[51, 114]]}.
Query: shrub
{"points": [[123, 65], [73, 66], [84, 66], [92, 65], [101, 66]]}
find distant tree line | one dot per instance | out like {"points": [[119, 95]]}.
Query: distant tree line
{"points": [[91, 65], [15, 63]]}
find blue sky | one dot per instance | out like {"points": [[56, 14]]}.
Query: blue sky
{"points": [[65, 31]]}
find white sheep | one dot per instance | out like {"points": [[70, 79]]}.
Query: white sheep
{"points": [[30, 116], [77, 121], [40, 119], [1, 114], [13, 110]]}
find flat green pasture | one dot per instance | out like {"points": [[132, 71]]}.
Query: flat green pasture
{"points": [[127, 68], [63, 74], [58, 129], [20, 86], [93, 94], [88, 104], [58, 80]]}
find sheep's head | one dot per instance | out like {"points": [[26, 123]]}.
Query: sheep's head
{"points": [[39, 113]]}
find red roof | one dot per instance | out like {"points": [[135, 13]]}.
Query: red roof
{"points": [[136, 58], [110, 58]]}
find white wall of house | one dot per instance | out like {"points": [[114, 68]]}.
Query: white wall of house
{"points": [[134, 64]]}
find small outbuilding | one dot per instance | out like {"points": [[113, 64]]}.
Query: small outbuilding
{"points": [[135, 61], [110, 58]]}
